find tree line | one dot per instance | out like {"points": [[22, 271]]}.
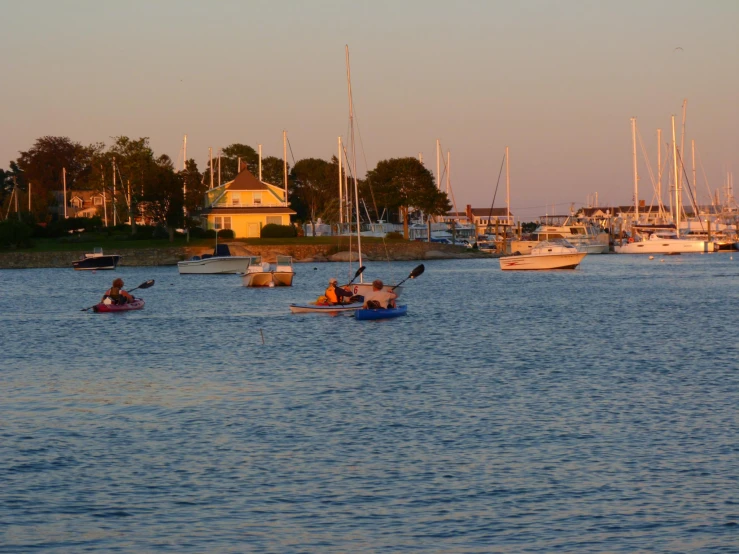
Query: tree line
{"points": [[390, 191]]}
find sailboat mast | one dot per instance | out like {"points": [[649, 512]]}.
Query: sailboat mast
{"points": [[284, 161], [508, 189], [438, 167], [184, 178], [695, 183], [210, 156], [677, 191], [341, 190], [114, 194], [636, 174], [64, 182], [260, 162], [659, 171], [354, 157]]}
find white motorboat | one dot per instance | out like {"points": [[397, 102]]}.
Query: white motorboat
{"points": [[264, 274], [553, 254], [663, 242], [220, 262], [583, 236]]}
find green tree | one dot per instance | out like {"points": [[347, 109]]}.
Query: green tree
{"points": [[313, 188], [273, 171], [230, 157], [163, 194], [42, 166], [399, 184]]}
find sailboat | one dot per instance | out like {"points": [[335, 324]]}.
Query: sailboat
{"points": [[662, 241], [361, 288]]}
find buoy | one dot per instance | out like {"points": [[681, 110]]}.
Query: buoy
{"points": [[662, 261], [651, 257]]}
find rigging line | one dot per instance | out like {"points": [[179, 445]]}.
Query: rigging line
{"points": [[290, 146], [705, 178], [490, 216], [651, 174], [690, 192]]}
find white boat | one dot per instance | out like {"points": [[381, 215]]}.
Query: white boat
{"points": [[554, 254], [584, 236], [264, 274], [220, 262], [314, 308], [663, 242]]}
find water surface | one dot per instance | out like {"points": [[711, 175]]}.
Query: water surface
{"points": [[581, 411]]}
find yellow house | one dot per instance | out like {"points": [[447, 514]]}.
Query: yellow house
{"points": [[245, 205]]}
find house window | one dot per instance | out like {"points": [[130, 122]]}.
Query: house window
{"points": [[274, 219], [236, 199], [77, 202], [257, 198], [97, 201], [222, 222]]}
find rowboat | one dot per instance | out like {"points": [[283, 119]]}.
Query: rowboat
{"points": [[381, 313], [137, 304], [324, 308]]}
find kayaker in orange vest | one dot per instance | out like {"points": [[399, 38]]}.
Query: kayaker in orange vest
{"points": [[116, 293], [335, 293]]}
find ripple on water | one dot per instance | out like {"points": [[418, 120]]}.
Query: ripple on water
{"points": [[589, 411]]}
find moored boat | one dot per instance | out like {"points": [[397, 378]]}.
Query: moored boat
{"points": [[220, 262], [381, 313], [264, 274], [102, 307], [553, 254], [96, 260]]}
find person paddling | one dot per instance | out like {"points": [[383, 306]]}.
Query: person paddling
{"points": [[379, 298], [116, 293], [335, 294]]}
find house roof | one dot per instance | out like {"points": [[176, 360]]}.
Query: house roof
{"points": [[230, 210], [246, 181]]}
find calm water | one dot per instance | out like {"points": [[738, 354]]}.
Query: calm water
{"points": [[585, 411]]}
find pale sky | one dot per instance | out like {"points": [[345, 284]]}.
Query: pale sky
{"points": [[556, 81]]}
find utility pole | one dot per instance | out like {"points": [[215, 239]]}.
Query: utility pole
{"points": [[114, 193]]}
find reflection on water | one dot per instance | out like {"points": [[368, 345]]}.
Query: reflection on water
{"points": [[591, 411]]}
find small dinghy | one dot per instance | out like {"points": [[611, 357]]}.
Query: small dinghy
{"points": [[381, 313], [104, 308], [324, 308]]}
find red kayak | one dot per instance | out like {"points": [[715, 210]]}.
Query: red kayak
{"points": [[135, 305]]}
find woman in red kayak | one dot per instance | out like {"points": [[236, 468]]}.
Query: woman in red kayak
{"points": [[117, 294]]}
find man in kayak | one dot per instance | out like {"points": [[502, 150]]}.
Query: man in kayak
{"points": [[379, 298], [116, 293], [335, 294]]}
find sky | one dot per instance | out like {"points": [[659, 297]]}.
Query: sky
{"points": [[556, 81]]}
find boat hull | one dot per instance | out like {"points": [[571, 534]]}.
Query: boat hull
{"points": [[94, 263], [541, 263], [269, 279], [665, 246], [381, 313], [214, 265], [363, 289], [137, 304], [324, 309]]}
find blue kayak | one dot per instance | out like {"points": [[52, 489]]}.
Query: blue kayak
{"points": [[381, 313]]}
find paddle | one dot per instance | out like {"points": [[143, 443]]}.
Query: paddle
{"points": [[415, 273], [357, 274], [144, 285]]}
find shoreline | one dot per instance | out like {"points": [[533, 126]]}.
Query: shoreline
{"points": [[169, 256]]}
